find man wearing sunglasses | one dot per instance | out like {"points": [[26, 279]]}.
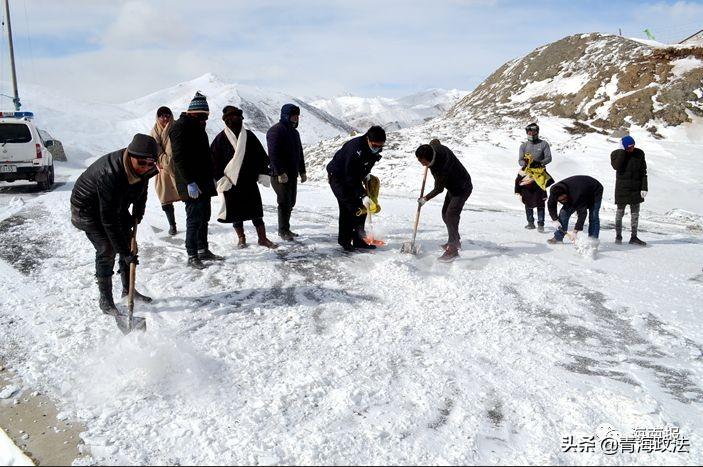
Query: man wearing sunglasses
{"points": [[100, 203], [194, 177], [347, 171]]}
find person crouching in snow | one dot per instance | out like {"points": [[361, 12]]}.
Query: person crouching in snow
{"points": [[630, 186], [532, 196], [347, 171], [578, 194], [448, 173], [100, 203], [240, 162]]}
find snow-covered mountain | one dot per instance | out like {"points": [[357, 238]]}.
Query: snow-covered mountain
{"points": [[392, 114], [485, 128], [604, 82], [96, 128]]}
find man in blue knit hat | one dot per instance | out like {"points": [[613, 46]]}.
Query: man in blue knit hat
{"points": [[630, 186], [287, 163], [194, 177]]}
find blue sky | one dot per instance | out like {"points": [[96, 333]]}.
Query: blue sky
{"points": [[111, 50]]}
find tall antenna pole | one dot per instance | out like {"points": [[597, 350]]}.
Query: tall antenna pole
{"points": [[16, 99]]}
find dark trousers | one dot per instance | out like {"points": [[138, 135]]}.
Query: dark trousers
{"points": [[634, 218], [197, 218], [593, 220], [451, 215], [286, 194], [530, 212], [170, 213], [351, 226], [104, 254]]}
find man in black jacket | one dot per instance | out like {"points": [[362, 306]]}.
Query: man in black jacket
{"points": [[630, 186], [347, 171], [449, 173], [100, 203], [287, 162], [194, 177], [578, 194]]}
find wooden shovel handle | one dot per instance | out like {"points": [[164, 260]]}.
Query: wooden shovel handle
{"points": [[417, 216]]}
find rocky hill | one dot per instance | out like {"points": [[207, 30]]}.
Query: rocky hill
{"points": [[603, 82]]}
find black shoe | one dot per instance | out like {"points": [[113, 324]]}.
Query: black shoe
{"points": [[195, 263], [207, 255], [293, 234], [137, 296], [530, 226], [362, 245], [106, 302], [172, 230], [618, 240], [348, 247], [540, 228], [636, 241], [286, 236]]}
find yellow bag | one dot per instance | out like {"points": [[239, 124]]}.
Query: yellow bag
{"points": [[373, 187], [538, 174]]}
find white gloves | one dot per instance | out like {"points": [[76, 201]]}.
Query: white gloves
{"points": [[366, 201], [283, 178], [265, 180], [643, 193], [421, 201]]}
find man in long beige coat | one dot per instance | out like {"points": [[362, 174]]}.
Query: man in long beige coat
{"points": [[165, 181]]}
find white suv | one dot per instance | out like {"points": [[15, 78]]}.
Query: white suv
{"points": [[23, 154]]}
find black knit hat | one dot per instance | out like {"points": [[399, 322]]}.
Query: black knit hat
{"points": [[231, 111], [143, 147], [199, 104], [163, 110]]}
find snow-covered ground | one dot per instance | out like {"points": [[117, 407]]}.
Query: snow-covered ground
{"points": [[307, 355], [10, 455]]}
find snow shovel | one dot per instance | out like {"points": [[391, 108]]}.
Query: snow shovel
{"points": [[130, 322], [410, 247]]}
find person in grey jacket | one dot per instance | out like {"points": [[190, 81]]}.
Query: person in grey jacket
{"points": [[535, 153], [538, 149]]}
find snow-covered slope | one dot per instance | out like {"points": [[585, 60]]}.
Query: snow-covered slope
{"points": [[605, 82], [392, 114]]}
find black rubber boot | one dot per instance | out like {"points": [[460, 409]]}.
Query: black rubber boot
{"points": [[106, 302], [125, 289]]}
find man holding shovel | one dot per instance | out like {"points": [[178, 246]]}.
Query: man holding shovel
{"points": [[100, 204], [449, 173]]}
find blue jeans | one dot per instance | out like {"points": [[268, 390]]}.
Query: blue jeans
{"points": [[593, 220], [530, 212]]}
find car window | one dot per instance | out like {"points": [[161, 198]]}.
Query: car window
{"points": [[14, 133]]}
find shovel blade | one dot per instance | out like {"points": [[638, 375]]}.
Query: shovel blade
{"points": [[137, 324], [410, 248]]}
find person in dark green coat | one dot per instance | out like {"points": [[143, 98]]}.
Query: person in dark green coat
{"points": [[630, 186]]}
